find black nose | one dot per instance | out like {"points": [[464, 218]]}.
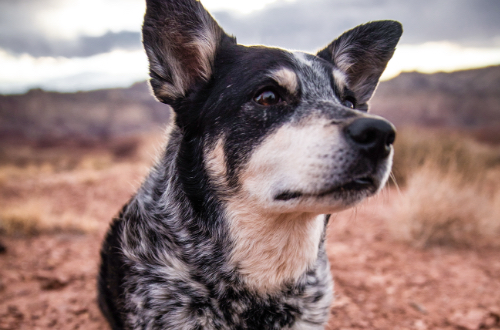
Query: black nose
{"points": [[373, 136]]}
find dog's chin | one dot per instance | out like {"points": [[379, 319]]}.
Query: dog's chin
{"points": [[358, 186], [334, 197]]}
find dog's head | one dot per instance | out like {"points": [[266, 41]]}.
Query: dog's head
{"points": [[284, 131]]}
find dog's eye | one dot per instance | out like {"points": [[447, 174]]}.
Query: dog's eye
{"points": [[349, 102], [267, 97]]}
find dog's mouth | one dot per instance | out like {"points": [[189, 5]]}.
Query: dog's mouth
{"points": [[362, 184]]}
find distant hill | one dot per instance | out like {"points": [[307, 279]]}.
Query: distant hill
{"points": [[90, 115], [464, 99]]}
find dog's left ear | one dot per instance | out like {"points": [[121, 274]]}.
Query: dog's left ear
{"points": [[181, 40], [362, 54]]}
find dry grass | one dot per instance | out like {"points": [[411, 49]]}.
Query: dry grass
{"points": [[61, 188], [437, 209], [445, 151], [450, 191], [37, 216]]}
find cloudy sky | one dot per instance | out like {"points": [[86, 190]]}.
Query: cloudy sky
{"points": [[69, 45]]}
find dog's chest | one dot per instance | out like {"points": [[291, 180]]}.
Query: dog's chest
{"points": [[187, 304]]}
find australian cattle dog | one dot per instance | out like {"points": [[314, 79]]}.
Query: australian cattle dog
{"points": [[228, 229]]}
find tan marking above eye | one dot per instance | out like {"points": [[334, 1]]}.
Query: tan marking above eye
{"points": [[286, 78], [340, 79]]}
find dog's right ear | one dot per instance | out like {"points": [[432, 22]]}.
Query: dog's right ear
{"points": [[181, 40], [362, 54]]}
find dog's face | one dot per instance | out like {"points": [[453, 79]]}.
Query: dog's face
{"points": [[282, 132]]}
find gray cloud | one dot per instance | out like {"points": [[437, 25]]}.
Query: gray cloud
{"points": [[21, 31], [306, 25], [83, 46], [312, 24]]}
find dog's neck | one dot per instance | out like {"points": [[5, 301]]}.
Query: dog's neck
{"points": [[273, 250]]}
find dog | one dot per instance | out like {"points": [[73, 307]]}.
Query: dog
{"points": [[228, 229]]}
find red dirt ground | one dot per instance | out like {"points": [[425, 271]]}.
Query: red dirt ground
{"points": [[48, 281]]}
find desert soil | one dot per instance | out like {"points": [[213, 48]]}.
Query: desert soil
{"points": [[48, 281]]}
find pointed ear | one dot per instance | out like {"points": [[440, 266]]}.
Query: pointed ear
{"points": [[181, 40], [362, 54]]}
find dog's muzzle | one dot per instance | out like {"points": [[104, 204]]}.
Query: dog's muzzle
{"points": [[364, 166]]}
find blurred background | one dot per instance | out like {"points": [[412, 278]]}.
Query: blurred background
{"points": [[79, 129]]}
